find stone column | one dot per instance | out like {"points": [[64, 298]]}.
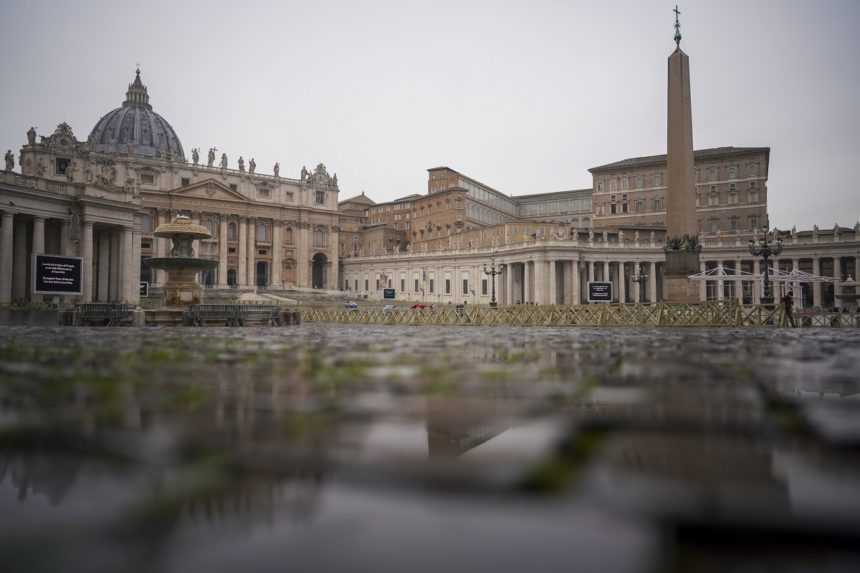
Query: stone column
{"points": [[837, 278], [6, 240], [222, 252], [509, 284], [277, 254], [652, 282], [303, 259], [527, 282], [574, 271], [252, 252], [757, 283], [739, 284], [816, 286], [622, 282], [553, 283], [721, 283], [703, 287], [795, 286], [115, 291], [65, 242], [161, 246], [88, 279], [126, 260], [19, 254], [637, 289], [590, 271], [538, 278], [334, 249], [134, 268], [38, 236], [242, 271]]}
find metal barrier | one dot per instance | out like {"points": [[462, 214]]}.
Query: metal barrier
{"points": [[661, 314], [103, 314], [237, 315]]}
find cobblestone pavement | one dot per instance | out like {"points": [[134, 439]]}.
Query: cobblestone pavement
{"points": [[378, 448]]}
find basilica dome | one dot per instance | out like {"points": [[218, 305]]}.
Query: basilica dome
{"points": [[134, 128]]}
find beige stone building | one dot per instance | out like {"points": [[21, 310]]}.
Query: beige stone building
{"points": [[731, 191], [101, 199]]}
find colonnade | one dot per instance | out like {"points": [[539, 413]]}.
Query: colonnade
{"points": [[565, 281], [521, 280], [110, 256]]}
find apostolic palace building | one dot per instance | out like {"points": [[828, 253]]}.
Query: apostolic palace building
{"points": [[100, 199]]}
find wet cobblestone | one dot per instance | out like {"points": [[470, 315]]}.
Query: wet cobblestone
{"points": [[380, 448]]}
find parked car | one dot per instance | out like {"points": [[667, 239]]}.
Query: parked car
{"points": [[351, 305], [388, 308], [418, 306]]}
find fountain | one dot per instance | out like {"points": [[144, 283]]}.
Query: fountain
{"points": [[181, 266], [848, 296]]}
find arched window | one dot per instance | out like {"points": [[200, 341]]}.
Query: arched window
{"points": [[231, 231], [288, 235]]}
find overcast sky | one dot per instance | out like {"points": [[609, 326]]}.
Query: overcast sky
{"points": [[523, 96]]}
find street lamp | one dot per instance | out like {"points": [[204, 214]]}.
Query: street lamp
{"points": [[492, 272], [766, 249], [640, 279]]}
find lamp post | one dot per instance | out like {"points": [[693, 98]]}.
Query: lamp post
{"points": [[492, 272], [640, 279], [766, 249]]}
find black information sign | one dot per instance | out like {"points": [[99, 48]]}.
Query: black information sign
{"points": [[388, 293], [144, 288], [53, 274], [599, 291]]}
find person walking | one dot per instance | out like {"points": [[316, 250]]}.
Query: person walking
{"points": [[788, 308]]}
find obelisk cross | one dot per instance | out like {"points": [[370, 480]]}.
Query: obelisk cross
{"points": [[677, 27]]}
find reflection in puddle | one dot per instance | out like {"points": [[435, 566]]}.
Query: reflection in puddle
{"points": [[335, 447]]}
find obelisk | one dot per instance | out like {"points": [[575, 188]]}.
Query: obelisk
{"points": [[682, 248]]}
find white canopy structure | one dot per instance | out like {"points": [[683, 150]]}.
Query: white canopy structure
{"points": [[719, 273]]}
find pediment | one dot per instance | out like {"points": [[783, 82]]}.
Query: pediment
{"points": [[210, 189]]}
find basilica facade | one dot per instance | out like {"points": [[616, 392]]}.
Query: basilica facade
{"points": [[101, 199]]}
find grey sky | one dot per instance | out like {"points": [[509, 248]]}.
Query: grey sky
{"points": [[524, 96]]}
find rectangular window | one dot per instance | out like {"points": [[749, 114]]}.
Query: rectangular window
{"points": [[447, 286], [263, 193], [402, 285], [416, 285], [320, 197], [147, 178], [356, 285], [465, 286], [233, 187], [430, 286], [366, 285], [60, 165], [186, 181], [484, 287], [377, 284]]}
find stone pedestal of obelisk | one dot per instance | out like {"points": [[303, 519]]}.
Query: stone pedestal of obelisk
{"points": [[682, 251]]}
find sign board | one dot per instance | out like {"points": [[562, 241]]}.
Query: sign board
{"points": [[388, 293], [144, 288], [599, 291], [56, 275]]}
